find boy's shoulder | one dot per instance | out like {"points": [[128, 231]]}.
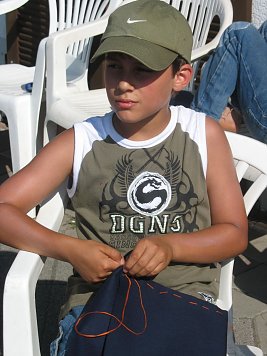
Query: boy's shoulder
{"points": [[186, 113], [190, 120], [93, 124], [181, 108], [213, 128], [215, 135]]}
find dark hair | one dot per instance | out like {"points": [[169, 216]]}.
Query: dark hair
{"points": [[178, 63]]}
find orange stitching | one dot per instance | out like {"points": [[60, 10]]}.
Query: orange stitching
{"points": [[150, 286], [203, 306], [219, 312], [121, 320], [193, 303]]}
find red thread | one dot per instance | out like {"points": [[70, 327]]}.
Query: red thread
{"points": [[121, 320]]}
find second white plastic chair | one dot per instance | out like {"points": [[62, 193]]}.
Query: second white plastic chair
{"points": [[21, 107]]}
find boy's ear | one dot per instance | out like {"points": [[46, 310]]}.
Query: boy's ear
{"points": [[182, 77]]}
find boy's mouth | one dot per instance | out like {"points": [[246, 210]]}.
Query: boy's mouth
{"points": [[124, 104]]}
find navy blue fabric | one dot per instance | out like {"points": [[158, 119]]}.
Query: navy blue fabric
{"points": [[157, 321]]}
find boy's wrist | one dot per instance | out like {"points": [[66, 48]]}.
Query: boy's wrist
{"points": [[64, 247]]}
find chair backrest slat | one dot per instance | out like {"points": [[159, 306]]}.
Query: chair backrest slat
{"points": [[241, 169], [254, 191], [68, 13]]}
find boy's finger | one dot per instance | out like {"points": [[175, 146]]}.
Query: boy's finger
{"points": [[133, 259], [113, 254], [140, 264]]}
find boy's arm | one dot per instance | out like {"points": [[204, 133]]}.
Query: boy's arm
{"points": [[227, 236], [31, 186]]}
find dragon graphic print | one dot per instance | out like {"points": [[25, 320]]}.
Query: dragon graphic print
{"points": [[154, 198]]}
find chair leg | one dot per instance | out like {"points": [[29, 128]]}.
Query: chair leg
{"points": [[19, 313]]}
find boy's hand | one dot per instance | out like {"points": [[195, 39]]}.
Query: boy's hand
{"points": [[150, 256], [94, 261]]}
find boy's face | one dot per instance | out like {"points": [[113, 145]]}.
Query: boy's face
{"points": [[137, 94]]}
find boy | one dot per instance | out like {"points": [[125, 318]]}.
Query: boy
{"points": [[146, 177]]}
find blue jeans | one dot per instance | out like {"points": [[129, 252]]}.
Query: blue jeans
{"points": [[58, 346], [237, 69]]}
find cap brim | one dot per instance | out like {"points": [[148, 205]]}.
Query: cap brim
{"points": [[151, 55]]}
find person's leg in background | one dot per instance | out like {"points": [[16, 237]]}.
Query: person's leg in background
{"points": [[237, 65], [263, 30]]}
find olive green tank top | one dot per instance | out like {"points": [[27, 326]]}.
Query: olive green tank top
{"points": [[125, 190]]}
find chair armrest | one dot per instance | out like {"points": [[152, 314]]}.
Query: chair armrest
{"points": [[20, 331], [201, 51]]}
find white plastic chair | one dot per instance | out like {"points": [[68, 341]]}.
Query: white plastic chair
{"points": [[19, 313], [21, 107], [66, 105], [250, 157], [20, 285]]}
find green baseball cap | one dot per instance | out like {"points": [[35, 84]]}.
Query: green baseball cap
{"points": [[151, 31]]}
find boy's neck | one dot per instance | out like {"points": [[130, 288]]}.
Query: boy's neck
{"points": [[143, 130]]}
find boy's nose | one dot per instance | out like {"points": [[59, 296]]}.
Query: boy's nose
{"points": [[124, 85]]}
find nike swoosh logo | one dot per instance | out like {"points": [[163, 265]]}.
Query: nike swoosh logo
{"points": [[135, 21]]}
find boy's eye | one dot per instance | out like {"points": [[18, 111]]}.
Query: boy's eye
{"points": [[113, 65], [145, 69]]}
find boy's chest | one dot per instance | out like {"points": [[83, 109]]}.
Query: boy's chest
{"points": [[144, 191]]}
